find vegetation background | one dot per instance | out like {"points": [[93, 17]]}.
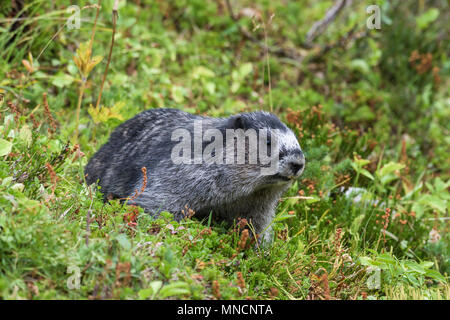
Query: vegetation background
{"points": [[367, 220]]}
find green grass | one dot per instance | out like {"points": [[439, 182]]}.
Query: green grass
{"points": [[370, 118]]}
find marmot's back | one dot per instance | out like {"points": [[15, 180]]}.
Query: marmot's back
{"points": [[122, 154]]}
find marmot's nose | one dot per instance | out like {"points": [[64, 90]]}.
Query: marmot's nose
{"points": [[296, 167]]}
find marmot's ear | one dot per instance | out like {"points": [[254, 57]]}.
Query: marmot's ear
{"points": [[238, 122]]}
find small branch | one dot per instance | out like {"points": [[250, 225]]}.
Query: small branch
{"points": [[342, 42], [268, 65], [115, 16], [52, 127], [95, 24], [320, 26], [84, 77], [230, 9]]}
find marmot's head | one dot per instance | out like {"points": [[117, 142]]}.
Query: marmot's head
{"points": [[275, 141]]}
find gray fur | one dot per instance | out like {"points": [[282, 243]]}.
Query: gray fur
{"points": [[229, 191]]}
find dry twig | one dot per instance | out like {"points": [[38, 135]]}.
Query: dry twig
{"points": [[115, 16], [320, 26]]}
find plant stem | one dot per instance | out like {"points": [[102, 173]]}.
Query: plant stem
{"points": [[80, 98], [99, 5], [114, 19], [268, 68]]}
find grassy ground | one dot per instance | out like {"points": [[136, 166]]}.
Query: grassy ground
{"points": [[368, 219]]}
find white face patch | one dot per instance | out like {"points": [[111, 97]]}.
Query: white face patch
{"points": [[288, 141]]}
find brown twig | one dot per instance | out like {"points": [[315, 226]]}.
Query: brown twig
{"points": [[144, 185], [53, 178], [216, 289], [268, 64], [95, 24], [320, 26], [115, 16], [47, 112], [84, 77]]}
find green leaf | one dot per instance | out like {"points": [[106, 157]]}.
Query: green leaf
{"points": [[367, 174], [363, 113], [282, 217], [427, 17], [413, 280], [145, 293], [411, 265], [387, 259], [25, 135], [62, 80], [103, 114], [235, 86], [389, 168], [434, 202], [123, 241], [441, 185], [360, 162], [151, 291], [356, 224], [360, 65], [245, 70], [366, 261], [426, 264], [202, 72], [388, 178], [435, 275], [239, 75], [210, 87], [5, 147], [54, 145], [177, 288], [178, 94]]}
